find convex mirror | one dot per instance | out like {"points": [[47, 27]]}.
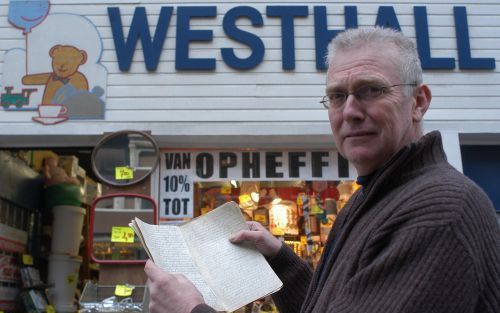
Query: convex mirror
{"points": [[126, 157], [111, 240]]}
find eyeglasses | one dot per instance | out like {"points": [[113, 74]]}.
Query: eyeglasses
{"points": [[364, 93]]}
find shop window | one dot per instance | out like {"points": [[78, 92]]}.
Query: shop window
{"points": [[299, 212], [295, 194]]}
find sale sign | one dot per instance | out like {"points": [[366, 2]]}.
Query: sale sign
{"points": [[180, 170]]}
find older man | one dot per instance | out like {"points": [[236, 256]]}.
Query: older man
{"points": [[417, 237]]}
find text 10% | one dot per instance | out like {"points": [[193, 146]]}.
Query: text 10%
{"points": [[172, 183]]}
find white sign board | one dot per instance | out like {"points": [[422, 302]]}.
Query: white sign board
{"points": [[179, 170]]}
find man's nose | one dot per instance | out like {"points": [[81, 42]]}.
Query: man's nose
{"points": [[353, 110]]}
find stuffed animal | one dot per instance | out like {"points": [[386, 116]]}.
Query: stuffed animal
{"points": [[56, 175]]}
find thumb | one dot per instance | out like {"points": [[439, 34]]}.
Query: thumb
{"points": [[152, 270]]}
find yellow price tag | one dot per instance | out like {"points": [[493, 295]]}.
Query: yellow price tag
{"points": [[260, 218], [50, 308], [122, 234], [244, 198], [123, 172], [225, 190], [123, 290], [316, 210], [70, 279], [299, 199], [27, 259], [303, 240]]}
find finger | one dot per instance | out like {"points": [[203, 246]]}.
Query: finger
{"points": [[152, 270], [252, 225], [245, 235]]}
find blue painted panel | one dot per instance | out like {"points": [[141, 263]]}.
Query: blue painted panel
{"points": [[482, 165]]}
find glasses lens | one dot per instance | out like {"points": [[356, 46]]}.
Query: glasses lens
{"points": [[369, 92], [337, 99]]}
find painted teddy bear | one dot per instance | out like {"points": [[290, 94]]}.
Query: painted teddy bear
{"points": [[65, 63]]}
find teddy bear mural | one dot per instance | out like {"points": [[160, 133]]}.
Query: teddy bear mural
{"points": [[65, 63], [66, 85], [58, 73]]}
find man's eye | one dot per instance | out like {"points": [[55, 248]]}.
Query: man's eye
{"points": [[337, 96], [370, 91]]}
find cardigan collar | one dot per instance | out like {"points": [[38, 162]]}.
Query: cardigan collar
{"points": [[427, 151]]}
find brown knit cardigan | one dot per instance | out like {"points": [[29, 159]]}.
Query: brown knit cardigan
{"points": [[419, 238]]}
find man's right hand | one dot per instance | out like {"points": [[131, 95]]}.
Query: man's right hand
{"points": [[260, 237], [170, 292]]}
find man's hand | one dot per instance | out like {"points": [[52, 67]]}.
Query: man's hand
{"points": [[170, 292], [261, 238]]}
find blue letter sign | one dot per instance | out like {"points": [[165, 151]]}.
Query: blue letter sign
{"points": [[233, 32], [139, 28], [287, 14], [185, 35]]}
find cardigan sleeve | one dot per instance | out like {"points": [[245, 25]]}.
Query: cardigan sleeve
{"points": [[203, 308], [421, 269], [296, 275]]}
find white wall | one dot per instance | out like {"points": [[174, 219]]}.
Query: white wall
{"points": [[234, 108]]}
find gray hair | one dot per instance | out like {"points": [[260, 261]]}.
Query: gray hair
{"points": [[410, 70]]}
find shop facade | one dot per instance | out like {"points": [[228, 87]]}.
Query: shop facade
{"points": [[227, 76], [230, 93]]}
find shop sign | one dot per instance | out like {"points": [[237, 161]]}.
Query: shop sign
{"points": [[179, 170], [139, 29]]}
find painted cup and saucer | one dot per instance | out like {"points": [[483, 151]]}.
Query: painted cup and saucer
{"points": [[49, 114]]}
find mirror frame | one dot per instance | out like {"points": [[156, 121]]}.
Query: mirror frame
{"points": [[90, 235], [112, 135]]}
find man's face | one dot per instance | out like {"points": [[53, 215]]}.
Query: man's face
{"points": [[369, 133]]}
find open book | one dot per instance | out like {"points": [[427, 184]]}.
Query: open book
{"points": [[228, 275]]}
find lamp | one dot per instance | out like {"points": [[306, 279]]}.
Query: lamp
{"points": [[283, 216]]}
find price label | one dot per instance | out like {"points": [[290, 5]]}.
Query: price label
{"points": [[225, 190], [27, 259], [303, 240], [122, 234], [245, 198], [299, 200], [124, 290], [49, 308], [123, 172], [71, 279], [316, 210], [261, 218]]}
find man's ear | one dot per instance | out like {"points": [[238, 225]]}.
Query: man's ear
{"points": [[423, 98]]}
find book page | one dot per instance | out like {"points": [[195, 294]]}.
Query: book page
{"points": [[237, 274], [169, 252]]}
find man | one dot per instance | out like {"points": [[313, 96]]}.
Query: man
{"points": [[417, 237]]}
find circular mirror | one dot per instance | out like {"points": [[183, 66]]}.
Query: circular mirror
{"points": [[124, 158]]}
